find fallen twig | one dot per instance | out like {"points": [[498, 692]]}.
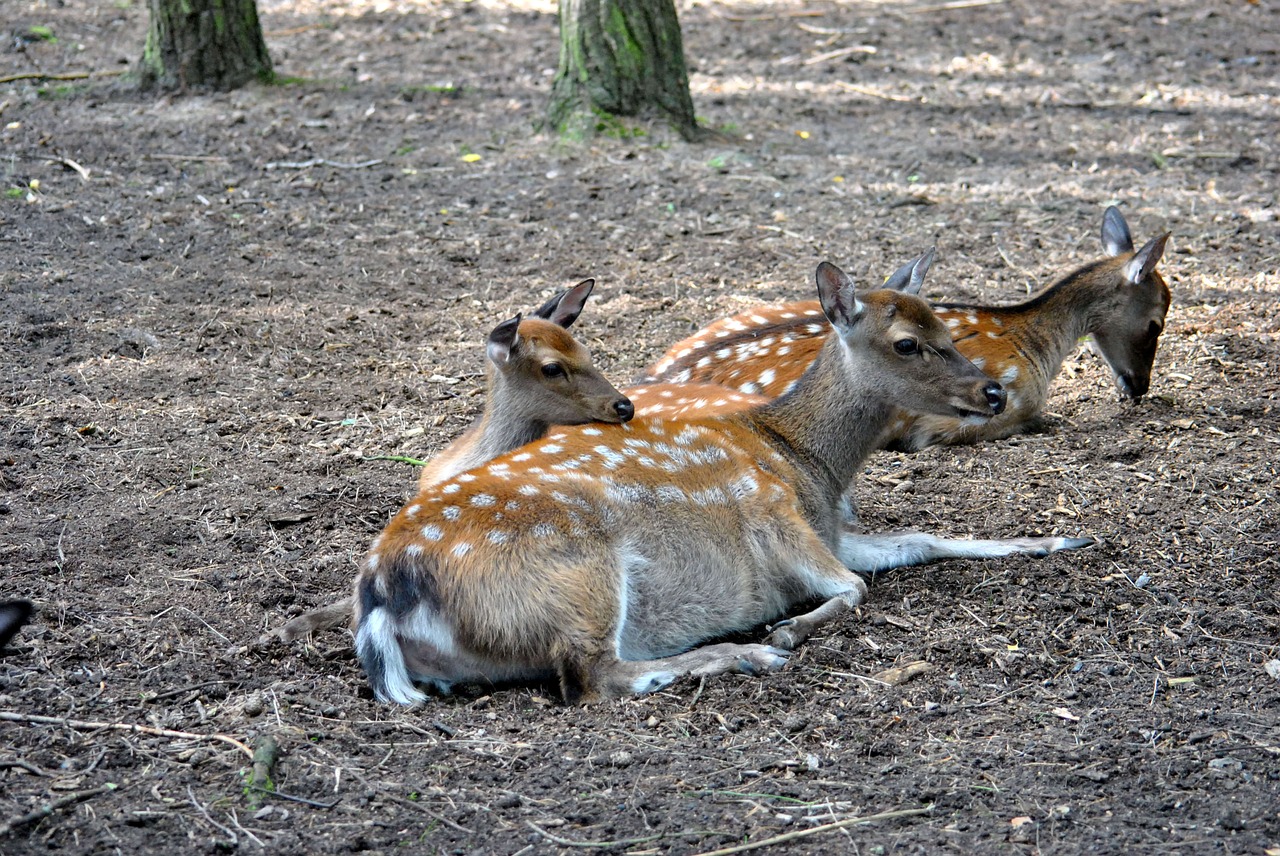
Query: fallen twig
{"points": [[322, 162], [235, 839], [265, 752], [403, 459], [64, 75], [945, 7], [292, 798], [866, 90], [622, 842], [10, 716], [818, 830], [49, 808], [69, 164]]}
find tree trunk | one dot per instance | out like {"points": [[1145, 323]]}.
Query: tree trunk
{"points": [[620, 58], [203, 44]]}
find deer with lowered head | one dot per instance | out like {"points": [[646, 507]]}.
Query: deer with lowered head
{"points": [[603, 556], [1119, 301], [537, 375]]}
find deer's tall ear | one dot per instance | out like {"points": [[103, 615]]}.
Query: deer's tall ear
{"points": [[836, 295], [910, 277], [1144, 261], [565, 307], [504, 339], [1116, 240]]}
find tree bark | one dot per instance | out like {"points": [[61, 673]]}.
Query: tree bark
{"points": [[620, 58], [204, 44]]}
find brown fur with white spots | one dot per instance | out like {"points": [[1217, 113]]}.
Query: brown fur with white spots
{"points": [[538, 375], [600, 555], [1120, 301]]}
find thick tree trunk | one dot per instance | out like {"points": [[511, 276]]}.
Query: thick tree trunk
{"points": [[203, 44], [620, 58]]}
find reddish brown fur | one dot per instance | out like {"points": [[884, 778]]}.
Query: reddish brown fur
{"points": [[764, 350]]}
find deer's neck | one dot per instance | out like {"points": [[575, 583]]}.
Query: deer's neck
{"points": [[830, 423], [505, 424], [1052, 322]]}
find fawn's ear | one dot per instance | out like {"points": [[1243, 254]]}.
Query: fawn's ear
{"points": [[1144, 261], [836, 294], [13, 614], [1116, 240], [565, 307], [504, 339], [910, 277]]}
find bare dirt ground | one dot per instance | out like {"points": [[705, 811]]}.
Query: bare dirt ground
{"points": [[205, 345]]}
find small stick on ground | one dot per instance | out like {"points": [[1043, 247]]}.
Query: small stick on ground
{"points": [[818, 830], [307, 164], [49, 808], [81, 725], [65, 75], [265, 752]]}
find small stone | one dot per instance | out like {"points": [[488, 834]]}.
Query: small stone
{"points": [[254, 705], [621, 758]]}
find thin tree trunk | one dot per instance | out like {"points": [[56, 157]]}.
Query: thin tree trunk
{"points": [[203, 44], [620, 58]]}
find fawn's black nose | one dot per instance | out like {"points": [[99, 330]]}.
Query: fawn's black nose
{"points": [[624, 408], [996, 397]]}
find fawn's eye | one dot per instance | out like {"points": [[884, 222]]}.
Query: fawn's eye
{"points": [[1153, 329], [906, 347], [553, 370]]}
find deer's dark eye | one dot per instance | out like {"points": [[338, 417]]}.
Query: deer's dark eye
{"points": [[1153, 329], [906, 347], [553, 370]]}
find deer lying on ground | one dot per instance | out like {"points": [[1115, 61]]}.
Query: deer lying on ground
{"points": [[537, 376], [1120, 301], [600, 555]]}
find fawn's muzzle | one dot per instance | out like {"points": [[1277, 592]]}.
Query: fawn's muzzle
{"points": [[624, 408]]}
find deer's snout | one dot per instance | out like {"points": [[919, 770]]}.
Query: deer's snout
{"points": [[1132, 386], [996, 397], [625, 409]]}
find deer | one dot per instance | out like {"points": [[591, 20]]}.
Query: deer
{"points": [[1119, 301], [537, 375], [604, 557]]}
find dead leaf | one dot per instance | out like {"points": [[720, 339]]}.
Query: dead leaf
{"points": [[1020, 821], [1065, 714], [901, 674], [1273, 668]]}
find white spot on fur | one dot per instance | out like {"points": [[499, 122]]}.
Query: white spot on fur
{"points": [[812, 312], [414, 550], [482, 500], [723, 353], [451, 488], [788, 315], [592, 432], [971, 319], [371, 561], [498, 536], [466, 477], [991, 334], [759, 319], [703, 363], [813, 328], [952, 323], [461, 549], [452, 512], [544, 530], [681, 377], [979, 361], [750, 387], [523, 456], [528, 490], [512, 505], [412, 510], [766, 377], [551, 449], [432, 532], [1010, 375], [783, 351]]}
